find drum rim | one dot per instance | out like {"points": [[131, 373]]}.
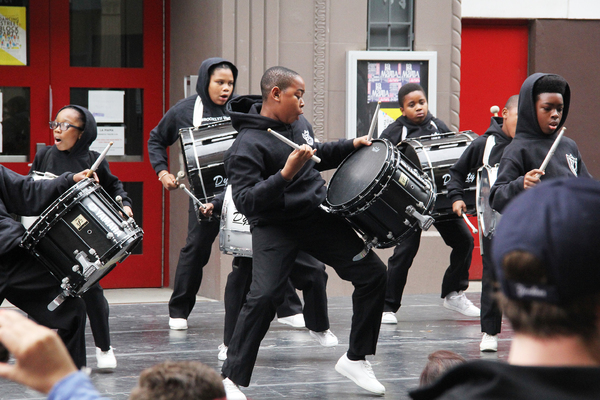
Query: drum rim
{"points": [[386, 172]]}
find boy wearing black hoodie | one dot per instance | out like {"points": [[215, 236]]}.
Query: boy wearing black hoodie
{"points": [[74, 130], [417, 121], [222, 74], [543, 108], [24, 281], [280, 192], [486, 149]]}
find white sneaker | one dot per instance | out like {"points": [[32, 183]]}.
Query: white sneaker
{"points": [[105, 359], [178, 324], [295, 321], [389, 317], [232, 390], [457, 301], [222, 352], [361, 373], [325, 338], [489, 343]]}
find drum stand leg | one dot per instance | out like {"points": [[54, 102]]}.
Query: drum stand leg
{"points": [[425, 222], [365, 251], [53, 305]]}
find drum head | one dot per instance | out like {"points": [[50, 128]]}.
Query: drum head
{"points": [[357, 173]]}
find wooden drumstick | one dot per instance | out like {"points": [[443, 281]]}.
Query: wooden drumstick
{"points": [[473, 229], [290, 143], [373, 122], [495, 110], [98, 161]]}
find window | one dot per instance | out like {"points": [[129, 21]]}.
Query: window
{"points": [[390, 24]]}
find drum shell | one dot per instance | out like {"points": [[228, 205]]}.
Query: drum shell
{"points": [[487, 217], [235, 237], [436, 154], [83, 220], [379, 211], [203, 149]]}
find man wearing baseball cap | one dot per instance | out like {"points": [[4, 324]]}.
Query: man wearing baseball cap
{"points": [[547, 258]]}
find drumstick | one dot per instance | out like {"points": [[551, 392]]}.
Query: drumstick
{"points": [[495, 110], [552, 149], [373, 122], [290, 143], [98, 161], [473, 229], [194, 198]]}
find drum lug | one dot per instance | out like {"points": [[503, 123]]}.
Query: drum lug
{"points": [[425, 222], [111, 236], [88, 267]]}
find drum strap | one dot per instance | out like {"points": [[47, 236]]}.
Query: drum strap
{"points": [[198, 111], [405, 130], [489, 145]]}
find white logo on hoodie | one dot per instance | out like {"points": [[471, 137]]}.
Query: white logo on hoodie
{"points": [[572, 161], [307, 138]]}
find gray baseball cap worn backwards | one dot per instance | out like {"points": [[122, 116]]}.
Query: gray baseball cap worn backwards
{"points": [[558, 222]]}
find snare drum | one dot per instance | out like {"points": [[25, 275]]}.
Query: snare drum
{"points": [[235, 237], [381, 193], [27, 221], [436, 154], [81, 237], [204, 149], [487, 217]]}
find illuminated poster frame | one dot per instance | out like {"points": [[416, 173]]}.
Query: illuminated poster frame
{"points": [[373, 76]]}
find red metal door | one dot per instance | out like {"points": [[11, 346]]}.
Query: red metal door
{"points": [[54, 77], [493, 67]]}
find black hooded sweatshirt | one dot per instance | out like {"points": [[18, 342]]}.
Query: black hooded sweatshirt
{"points": [[22, 195], [495, 380], [80, 157], [529, 148], [472, 158], [430, 126], [181, 115], [253, 165]]}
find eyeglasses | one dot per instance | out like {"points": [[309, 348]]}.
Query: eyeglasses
{"points": [[63, 126]]}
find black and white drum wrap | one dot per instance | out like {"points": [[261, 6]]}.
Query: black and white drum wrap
{"points": [[82, 236], [235, 237], [203, 149], [436, 154]]}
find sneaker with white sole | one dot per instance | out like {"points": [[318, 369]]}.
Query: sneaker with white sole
{"points": [[489, 343], [457, 301], [295, 321], [389, 317], [361, 373], [232, 390], [105, 359], [178, 324], [222, 352], [325, 338]]}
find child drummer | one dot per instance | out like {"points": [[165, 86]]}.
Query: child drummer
{"points": [[280, 191], [417, 121]]}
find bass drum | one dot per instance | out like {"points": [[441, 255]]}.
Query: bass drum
{"points": [[203, 149], [436, 154], [235, 237], [381, 193], [487, 217], [81, 237]]}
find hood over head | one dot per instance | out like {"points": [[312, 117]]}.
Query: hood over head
{"points": [[210, 108], [89, 134], [527, 124]]}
